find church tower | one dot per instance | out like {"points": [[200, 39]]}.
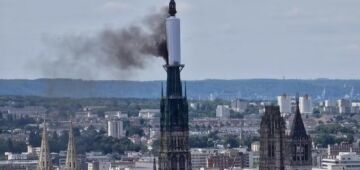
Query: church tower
{"points": [[298, 145], [272, 139], [44, 157], [71, 159], [174, 128]]}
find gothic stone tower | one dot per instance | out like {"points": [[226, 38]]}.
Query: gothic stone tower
{"points": [[272, 139], [174, 128], [298, 145], [71, 159], [45, 157]]}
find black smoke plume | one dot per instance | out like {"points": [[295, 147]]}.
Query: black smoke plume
{"points": [[120, 50]]}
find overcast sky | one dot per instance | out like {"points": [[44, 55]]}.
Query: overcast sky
{"points": [[221, 39]]}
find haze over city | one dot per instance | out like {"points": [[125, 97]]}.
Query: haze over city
{"points": [[220, 39]]}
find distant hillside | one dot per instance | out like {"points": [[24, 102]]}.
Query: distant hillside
{"points": [[227, 89]]}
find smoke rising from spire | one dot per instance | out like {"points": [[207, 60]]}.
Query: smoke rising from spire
{"points": [[116, 51]]}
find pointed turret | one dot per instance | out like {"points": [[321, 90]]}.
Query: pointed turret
{"points": [[298, 144], [44, 157], [297, 127], [71, 160], [172, 8]]}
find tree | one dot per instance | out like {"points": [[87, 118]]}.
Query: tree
{"points": [[10, 145], [156, 147], [34, 138], [201, 142], [232, 142], [324, 140], [135, 130]]}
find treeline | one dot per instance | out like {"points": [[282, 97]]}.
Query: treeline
{"points": [[333, 129], [326, 134], [11, 146], [11, 123], [86, 141]]}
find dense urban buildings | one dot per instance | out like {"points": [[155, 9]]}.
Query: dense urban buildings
{"points": [[343, 161], [216, 143]]}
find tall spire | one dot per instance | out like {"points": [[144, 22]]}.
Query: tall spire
{"points": [[71, 160], [174, 119], [299, 147], [297, 127], [44, 158], [172, 8]]}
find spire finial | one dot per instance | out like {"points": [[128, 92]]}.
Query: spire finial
{"points": [[297, 101], [172, 8]]}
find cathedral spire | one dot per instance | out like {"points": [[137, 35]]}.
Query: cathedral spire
{"points": [[71, 160], [299, 144], [44, 157], [174, 118], [297, 127]]}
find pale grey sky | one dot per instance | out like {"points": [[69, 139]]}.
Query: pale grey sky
{"points": [[221, 39]]}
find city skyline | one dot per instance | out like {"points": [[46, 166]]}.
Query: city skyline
{"points": [[161, 125], [318, 38]]}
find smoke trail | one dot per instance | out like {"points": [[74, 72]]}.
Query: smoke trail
{"points": [[118, 51]]}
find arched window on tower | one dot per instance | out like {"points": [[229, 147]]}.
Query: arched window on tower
{"points": [[182, 163], [174, 163], [306, 149], [294, 152]]}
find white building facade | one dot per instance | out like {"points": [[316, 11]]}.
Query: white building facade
{"points": [[148, 113], [284, 102], [343, 161], [223, 111], [305, 105], [115, 129], [344, 106], [238, 105]]}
